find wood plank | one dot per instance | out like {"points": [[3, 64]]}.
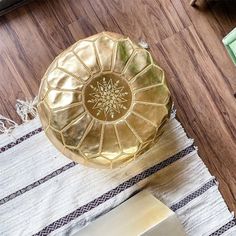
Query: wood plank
{"points": [[11, 87], [87, 22], [137, 19], [52, 25], [91, 11], [24, 33], [204, 105], [211, 30]]}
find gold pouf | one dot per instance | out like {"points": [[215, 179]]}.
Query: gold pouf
{"points": [[103, 101]]}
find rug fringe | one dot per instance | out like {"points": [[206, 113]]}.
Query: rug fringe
{"points": [[173, 111], [217, 182], [143, 44], [7, 125], [27, 109]]}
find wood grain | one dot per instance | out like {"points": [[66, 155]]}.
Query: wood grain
{"points": [[185, 41]]}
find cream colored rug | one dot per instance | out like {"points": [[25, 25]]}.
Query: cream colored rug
{"points": [[42, 192]]}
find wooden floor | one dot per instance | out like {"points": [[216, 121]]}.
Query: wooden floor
{"points": [[185, 41]]}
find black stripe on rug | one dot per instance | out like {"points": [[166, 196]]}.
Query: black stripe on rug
{"points": [[36, 183], [224, 228], [193, 195], [20, 140], [113, 192]]}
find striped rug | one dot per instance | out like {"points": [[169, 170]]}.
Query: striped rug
{"points": [[44, 193]]}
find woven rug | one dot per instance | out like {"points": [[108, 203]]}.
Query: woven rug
{"points": [[42, 192]]}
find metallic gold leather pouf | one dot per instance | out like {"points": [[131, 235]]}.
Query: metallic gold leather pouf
{"points": [[103, 101]]}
